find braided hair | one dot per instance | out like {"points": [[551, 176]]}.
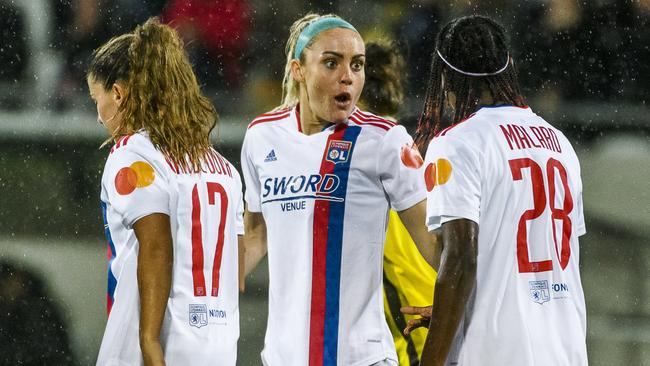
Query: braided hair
{"points": [[473, 45]]}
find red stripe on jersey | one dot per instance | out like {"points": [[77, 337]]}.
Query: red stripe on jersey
{"points": [[270, 114], [371, 117], [122, 141], [216, 264], [109, 304], [374, 119], [319, 262], [197, 246], [298, 117], [382, 126], [268, 119], [444, 132]]}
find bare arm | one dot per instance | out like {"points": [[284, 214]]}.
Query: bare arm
{"points": [[254, 241], [456, 280], [155, 260], [428, 243]]}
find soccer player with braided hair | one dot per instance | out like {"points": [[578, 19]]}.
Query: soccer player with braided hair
{"points": [[172, 208], [504, 189]]}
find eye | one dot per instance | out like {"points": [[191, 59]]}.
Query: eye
{"points": [[357, 65], [330, 63]]}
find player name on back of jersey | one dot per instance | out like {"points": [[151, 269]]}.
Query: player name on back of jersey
{"points": [[530, 137], [212, 163]]}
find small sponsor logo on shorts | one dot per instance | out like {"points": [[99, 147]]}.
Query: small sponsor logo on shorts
{"points": [[198, 315]]}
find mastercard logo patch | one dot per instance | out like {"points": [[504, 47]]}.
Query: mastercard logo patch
{"points": [[411, 156], [138, 175], [437, 174]]}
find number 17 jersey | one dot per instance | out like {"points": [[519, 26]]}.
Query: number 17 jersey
{"points": [[518, 177], [205, 208]]}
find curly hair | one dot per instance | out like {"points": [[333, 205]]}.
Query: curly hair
{"points": [[163, 96], [383, 91]]}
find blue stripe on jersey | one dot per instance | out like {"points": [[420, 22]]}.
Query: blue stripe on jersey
{"points": [[334, 250], [112, 281]]}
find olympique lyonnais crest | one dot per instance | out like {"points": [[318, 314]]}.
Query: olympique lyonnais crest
{"points": [[338, 151], [539, 291], [198, 315]]}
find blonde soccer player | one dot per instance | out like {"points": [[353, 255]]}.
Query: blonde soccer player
{"points": [[320, 177]]}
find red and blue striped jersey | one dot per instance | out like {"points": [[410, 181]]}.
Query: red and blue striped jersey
{"points": [[325, 199]]}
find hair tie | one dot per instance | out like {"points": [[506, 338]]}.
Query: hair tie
{"points": [[315, 28], [474, 73]]}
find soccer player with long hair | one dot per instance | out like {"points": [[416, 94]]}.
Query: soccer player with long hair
{"points": [[320, 177], [504, 188], [172, 208]]}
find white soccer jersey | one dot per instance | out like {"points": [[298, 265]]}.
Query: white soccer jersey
{"points": [[518, 177], [201, 324], [325, 200]]}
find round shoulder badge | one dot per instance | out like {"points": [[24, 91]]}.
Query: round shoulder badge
{"points": [[410, 156], [138, 175], [437, 173]]}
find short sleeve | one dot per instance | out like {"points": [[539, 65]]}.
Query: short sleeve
{"points": [[251, 178], [399, 173], [136, 183], [452, 179]]}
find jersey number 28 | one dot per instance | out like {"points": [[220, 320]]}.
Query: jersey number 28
{"points": [[197, 239], [539, 202]]}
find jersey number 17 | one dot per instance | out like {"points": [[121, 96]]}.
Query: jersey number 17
{"points": [[198, 279]]}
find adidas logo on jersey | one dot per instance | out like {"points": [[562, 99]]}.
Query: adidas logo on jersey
{"points": [[270, 157]]}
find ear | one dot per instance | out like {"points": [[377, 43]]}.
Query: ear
{"points": [[296, 71], [119, 93]]}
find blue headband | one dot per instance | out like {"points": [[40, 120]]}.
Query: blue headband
{"points": [[315, 28]]}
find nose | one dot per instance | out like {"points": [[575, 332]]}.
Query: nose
{"points": [[346, 75]]}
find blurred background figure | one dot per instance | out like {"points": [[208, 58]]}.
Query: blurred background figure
{"points": [[32, 331], [13, 53], [83, 25], [216, 34]]}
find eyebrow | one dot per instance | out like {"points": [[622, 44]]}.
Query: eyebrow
{"points": [[339, 55]]}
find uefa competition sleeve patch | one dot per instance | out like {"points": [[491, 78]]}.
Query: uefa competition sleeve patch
{"points": [[437, 174], [410, 156], [138, 175]]}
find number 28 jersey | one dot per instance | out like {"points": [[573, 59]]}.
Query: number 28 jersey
{"points": [[518, 177], [201, 324]]}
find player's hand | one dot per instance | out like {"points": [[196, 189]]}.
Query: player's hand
{"points": [[423, 321]]}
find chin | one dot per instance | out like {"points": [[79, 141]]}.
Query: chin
{"points": [[340, 116]]}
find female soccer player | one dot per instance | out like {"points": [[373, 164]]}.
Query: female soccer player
{"points": [[408, 279], [172, 207], [320, 177], [504, 187]]}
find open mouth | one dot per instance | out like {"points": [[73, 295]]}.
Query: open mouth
{"points": [[343, 98]]}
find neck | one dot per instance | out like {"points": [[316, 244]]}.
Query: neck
{"points": [[309, 122]]}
